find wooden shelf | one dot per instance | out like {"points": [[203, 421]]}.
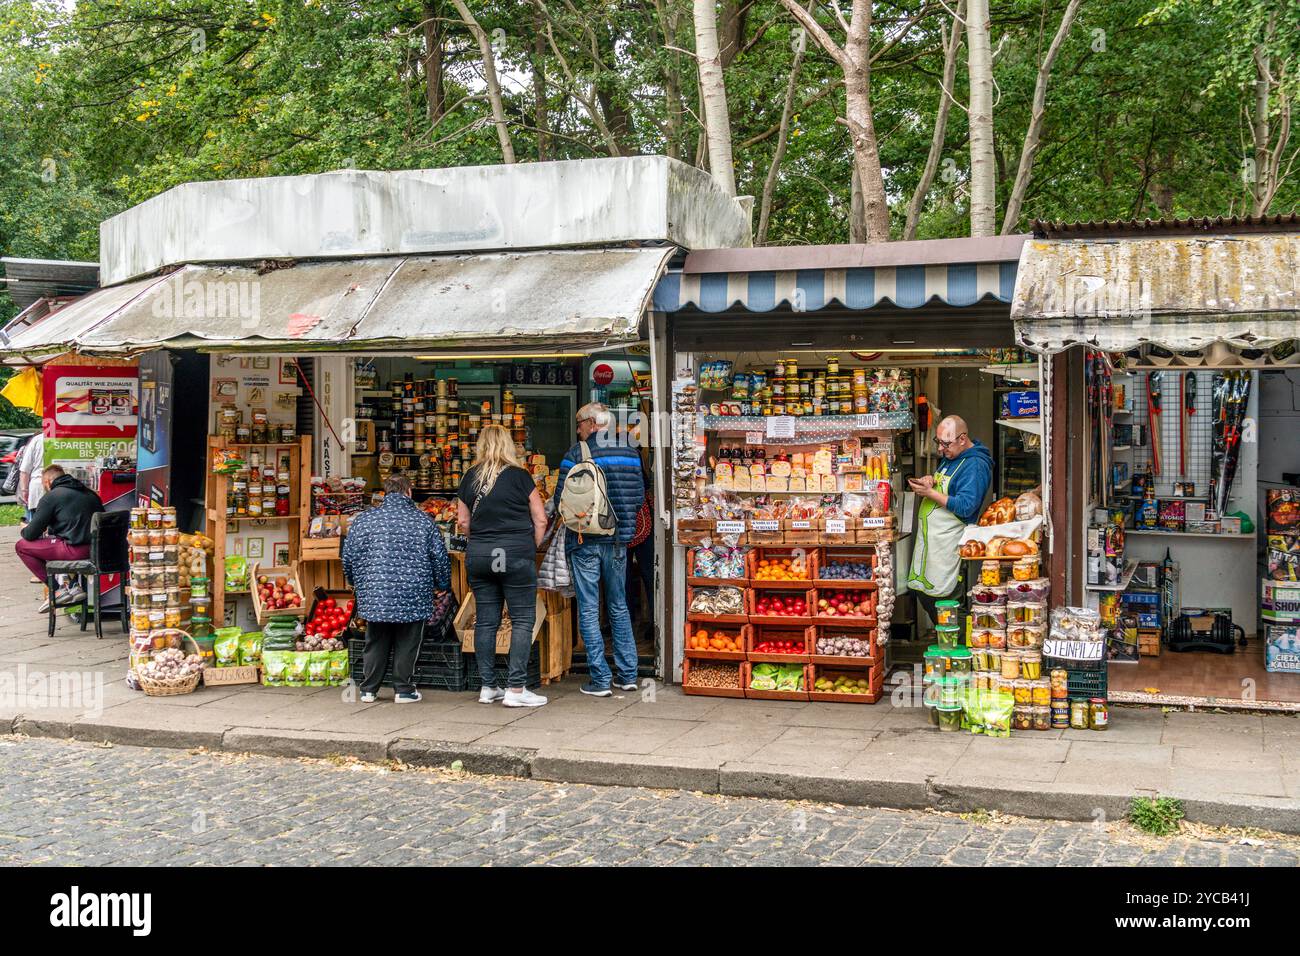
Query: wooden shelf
{"points": [[1153, 533], [1033, 426]]}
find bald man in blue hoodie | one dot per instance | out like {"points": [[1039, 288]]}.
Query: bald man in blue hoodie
{"points": [[950, 500]]}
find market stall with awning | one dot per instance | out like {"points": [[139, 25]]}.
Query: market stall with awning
{"points": [[1178, 285]]}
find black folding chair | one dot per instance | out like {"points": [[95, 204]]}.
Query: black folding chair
{"points": [[108, 555]]}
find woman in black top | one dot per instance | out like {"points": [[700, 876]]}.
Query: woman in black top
{"points": [[501, 509]]}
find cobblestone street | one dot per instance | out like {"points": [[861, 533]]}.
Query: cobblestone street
{"points": [[64, 802]]}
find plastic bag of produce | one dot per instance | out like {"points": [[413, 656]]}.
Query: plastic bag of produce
{"points": [[236, 573], [318, 668], [789, 677], [339, 668], [763, 677], [250, 648], [275, 667], [297, 674], [225, 646]]}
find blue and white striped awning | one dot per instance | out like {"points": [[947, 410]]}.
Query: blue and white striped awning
{"points": [[806, 290]]}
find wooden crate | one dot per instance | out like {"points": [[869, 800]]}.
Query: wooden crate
{"points": [[865, 556], [759, 554], [464, 624], [766, 632], [875, 679], [741, 618], [557, 637], [291, 572], [751, 601], [1149, 641], [745, 671], [868, 588], [838, 661], [741, 631], [711, 691], [696, 581]]}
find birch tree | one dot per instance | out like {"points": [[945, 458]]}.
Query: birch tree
{"points": [[951, 49], [983, 169], [493, 86], [713, 96]]}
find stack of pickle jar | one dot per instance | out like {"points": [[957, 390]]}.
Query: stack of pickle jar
{"points": [[947, 671], [161, 583]]}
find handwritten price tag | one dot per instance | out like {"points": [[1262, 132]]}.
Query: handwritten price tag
{"points": [[753, 438], [730, 527], [1074, 650], [869, 421], [765, 525], [834, 525]]}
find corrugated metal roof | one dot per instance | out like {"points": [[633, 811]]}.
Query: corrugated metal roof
{"points": [[389, 302], [1175, 291], [30, 279], [920, 252], [1047, 229]]}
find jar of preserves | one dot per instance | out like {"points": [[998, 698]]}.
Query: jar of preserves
{"points": [[991, 573], [1022, 690], [155, 519], [171, 576], [1098, 713], [172, 615], [1079, 716], [243, 435], [200, 627], [1060, 715], [832, 365], [1040, 693], [1022, 718], [171, 537], [140, 618], [1060, 683], [1031, 664], [288, 433], [139, 518], [1042, 717], [859, 378], [1011, 666]]}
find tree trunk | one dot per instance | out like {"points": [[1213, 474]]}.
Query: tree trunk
{"points": [[732, 31], [1035, 130], [493, 87], [949, 78], [713, 96], [979, 61], [435, 95], [871, 222], [782, 139], [668, 26], [541, 116], [1259, 187]]}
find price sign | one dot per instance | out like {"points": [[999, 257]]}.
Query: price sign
{"points": [[801, 525], [765, 525], [1074, 650], [834, 525], [753, 438], [869, 421], [873, 522], [780, 426], [730, 527]]}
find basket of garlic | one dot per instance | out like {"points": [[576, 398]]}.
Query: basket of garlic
{"points": [[171, 672]]}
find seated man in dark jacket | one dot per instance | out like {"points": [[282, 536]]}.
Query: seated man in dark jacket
{"points": [[59, 529], [602, 560]]}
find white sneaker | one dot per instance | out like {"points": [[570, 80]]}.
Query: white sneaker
{"points": [[490, 695], [524, 698], [367, 698]]}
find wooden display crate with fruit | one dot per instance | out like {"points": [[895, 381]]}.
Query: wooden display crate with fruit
{"points": [[276, 591], [780, 644], [746, 677], [793, 568], [846, 605], [726, 643], [854, 567], [693, 579], [852, 640], [840, 685], [780, 607], [712, 617], [723, 678]]}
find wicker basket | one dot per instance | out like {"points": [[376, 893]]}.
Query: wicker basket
{"points": [[153, 687]]}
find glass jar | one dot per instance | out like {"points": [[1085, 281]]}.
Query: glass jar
{"points": [[288, 433], [1060, 714], [991, 573], [1011, 666], [138, 537], [832, 365], [140, 618], [1059, 679], [201, 606], [935, 665], [1023, 691], [243, 435], [139, 518], [1098, 713], [155, 518], [1042, 717], [1041, 693], [949, 719], [171, 576], [1022, 718], [1031, 664], [171, 537], [169, 519], [1079, 714], [172, 615]]}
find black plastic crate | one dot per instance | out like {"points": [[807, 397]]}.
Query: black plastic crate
{"points": [[1086, 678], [473, 682], [438, 666]]}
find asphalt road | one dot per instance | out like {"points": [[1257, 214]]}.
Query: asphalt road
{"points": [[64, 802]]}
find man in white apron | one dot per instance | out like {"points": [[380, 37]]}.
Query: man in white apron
{"points": [[950, 500]]}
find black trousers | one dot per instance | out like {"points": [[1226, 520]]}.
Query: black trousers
{"points": [[403, 638], [930, 603], [503, 575]]}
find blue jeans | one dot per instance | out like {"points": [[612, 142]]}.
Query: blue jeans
{"points": [[593, 563]]}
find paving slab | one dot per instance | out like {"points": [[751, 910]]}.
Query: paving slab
{"points": [[1225, 732], [719, 742]]}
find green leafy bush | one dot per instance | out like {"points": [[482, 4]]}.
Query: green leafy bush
{"points": [[1156, 815]]}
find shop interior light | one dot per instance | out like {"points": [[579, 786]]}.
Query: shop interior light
{"points": [[453, 356]]}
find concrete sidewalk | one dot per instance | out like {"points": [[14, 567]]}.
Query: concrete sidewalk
{"points": [[1229, 769]]}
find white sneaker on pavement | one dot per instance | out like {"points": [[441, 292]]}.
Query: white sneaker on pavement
{"points": [[490, 695], [523, 698]]}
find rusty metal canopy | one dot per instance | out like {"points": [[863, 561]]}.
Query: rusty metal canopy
{"points": [[1178, 292], [391, 302]]}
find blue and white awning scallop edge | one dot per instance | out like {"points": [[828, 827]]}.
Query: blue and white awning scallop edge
{"points": [[806, 290]]}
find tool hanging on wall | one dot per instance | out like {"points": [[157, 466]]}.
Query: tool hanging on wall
{"points": [[1153, 418], [1189, 409], [1097, 476], [1230, 393]]}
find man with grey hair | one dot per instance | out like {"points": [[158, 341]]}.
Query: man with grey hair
{"points": [[950, 500], [394, 558], [601, 559]]}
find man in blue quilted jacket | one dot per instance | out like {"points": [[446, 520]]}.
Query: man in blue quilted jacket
{"points": [[602, 559], [395, 560]]}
